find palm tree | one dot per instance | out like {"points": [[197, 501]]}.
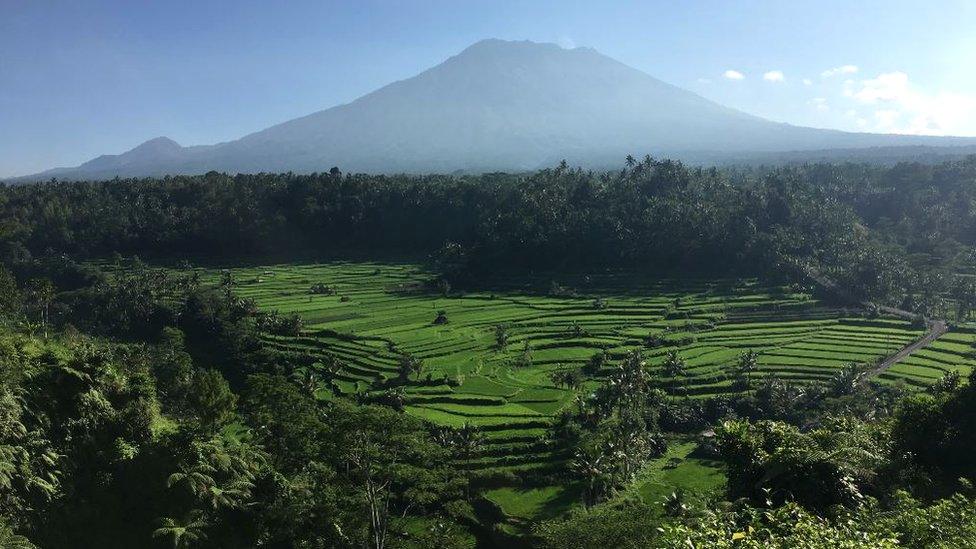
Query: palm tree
{"points": [[558, 378], [589, 465], [524, 359], [748, 363], [847, 380], [331, 368], [183, 533], [674, 365], [407, 365], [573, 379], [501, 336], [307, 378], [468, 441], [41, 292]]}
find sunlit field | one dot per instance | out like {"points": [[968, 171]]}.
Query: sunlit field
{"points": [[375, 313]]}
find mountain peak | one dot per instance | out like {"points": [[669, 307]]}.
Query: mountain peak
{"points": [[498, 44], [515, 48], [153, 151], [158, 144]]}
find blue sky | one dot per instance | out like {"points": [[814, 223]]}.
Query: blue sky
{"points": [[82, 78]]}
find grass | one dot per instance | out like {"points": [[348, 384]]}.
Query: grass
{"points": [[680, 470], [535, 503]]}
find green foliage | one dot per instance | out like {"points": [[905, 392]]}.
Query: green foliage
{"points": [[211, 400], [409, 364], [657, 212], [612, 434], [674, 365], [183, 533], [441, 318], [11, 540], [784, 527], [10, 295], [948, 524], [524, 359], [746, 365], [774, 462], [172, 367], [595, 363], [501, 336], [938, 433], [606, 526]]}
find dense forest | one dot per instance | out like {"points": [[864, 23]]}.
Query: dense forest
{"points": [[140, 406], [892, 234]]}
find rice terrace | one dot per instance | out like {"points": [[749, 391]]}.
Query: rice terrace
{"points": [[497, 361]]}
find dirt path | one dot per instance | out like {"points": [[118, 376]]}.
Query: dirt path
{"points": [[936, 329]]}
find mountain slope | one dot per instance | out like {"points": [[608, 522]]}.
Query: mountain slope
{"points": [[498, 106]]}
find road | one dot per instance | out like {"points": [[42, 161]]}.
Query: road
{"points": [[936, 329]]}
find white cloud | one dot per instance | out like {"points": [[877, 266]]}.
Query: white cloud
{"points": [[820, 103], [774, 76], [843, 69], [807, 82], [704, 81], [566, 43], [901, 107], [733, 75], [888, 86]]}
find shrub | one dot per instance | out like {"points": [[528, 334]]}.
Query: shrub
{"points": [[322, 289]]}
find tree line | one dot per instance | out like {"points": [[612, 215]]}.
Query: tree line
{"points": [[895, 234]]}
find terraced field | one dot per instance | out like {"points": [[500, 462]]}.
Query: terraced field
{"points": [[380, 311]]}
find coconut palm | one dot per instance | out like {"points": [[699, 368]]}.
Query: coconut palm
{"points": [[41, 294], [468, 441], [674, 365], [847, 380], [307, 378], [524, 360], [501, 336], [558, 378], [588, 464], [747, 364]]}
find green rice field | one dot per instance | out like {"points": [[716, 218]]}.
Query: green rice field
{"points": [[380, 311]]}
